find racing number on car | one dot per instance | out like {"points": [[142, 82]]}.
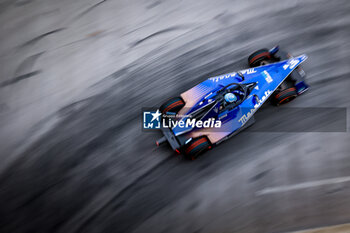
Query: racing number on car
{"points": [[291, 64]]}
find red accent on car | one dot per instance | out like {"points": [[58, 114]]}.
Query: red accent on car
{"points": [[197, 143], [258, 56], [173, 105]]}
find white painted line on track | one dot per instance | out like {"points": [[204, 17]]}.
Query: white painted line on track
{"points": [[343, 228], [311, 184]]}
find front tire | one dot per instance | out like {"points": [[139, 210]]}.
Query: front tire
{"points": [[256, 58], [284, 96]]}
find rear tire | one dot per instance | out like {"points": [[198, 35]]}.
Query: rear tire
{"points": [[197, 146], [173, 105], [256, 58]]}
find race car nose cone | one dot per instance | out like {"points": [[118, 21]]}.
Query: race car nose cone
{"points": [[230, 97]]}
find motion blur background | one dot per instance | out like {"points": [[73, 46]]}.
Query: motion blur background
{"points": [[75, 75]]}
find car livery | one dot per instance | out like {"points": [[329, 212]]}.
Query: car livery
{"points": [[274, 76]]}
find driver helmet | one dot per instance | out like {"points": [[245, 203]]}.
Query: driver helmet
{"points": [[230, 97]]}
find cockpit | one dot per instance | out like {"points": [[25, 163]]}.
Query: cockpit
{"points": [[234, 94]]}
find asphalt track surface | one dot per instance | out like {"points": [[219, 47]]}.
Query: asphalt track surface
{"points": [[76, 74]]}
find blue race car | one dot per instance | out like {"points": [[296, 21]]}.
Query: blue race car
{"points": [[227, 103]]}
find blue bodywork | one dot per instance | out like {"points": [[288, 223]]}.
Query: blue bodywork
{"points": [[260, 82]]}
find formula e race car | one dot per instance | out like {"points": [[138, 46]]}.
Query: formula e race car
{"points": [[226, 104]]}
